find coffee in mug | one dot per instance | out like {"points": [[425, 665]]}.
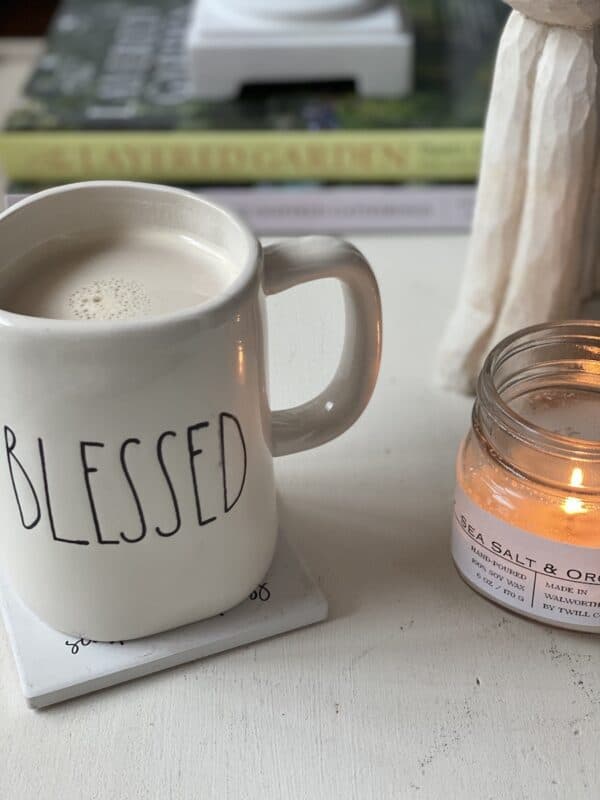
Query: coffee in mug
{"points": [[121, 273]]}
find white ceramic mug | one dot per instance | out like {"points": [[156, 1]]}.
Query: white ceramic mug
{"points": [[136, 474]]}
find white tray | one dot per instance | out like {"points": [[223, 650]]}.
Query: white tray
{"points": [[53, 667], [229, 44]]}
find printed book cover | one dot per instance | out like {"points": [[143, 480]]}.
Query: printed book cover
{"points": [[110, 97]]}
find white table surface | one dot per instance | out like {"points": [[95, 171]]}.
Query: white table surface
{"points": [[415, 688]]}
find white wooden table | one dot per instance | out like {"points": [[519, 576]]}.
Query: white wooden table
{"points": [[415, 688]]}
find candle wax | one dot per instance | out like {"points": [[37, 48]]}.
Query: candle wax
{"points": [[570, 516]]}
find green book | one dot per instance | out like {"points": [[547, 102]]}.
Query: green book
{"points": [[110, 98]]}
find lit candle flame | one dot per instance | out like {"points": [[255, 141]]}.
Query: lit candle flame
{"points": [[577, 477], [573, 505]]}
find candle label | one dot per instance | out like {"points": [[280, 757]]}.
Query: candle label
{"points": [[538, 577]]}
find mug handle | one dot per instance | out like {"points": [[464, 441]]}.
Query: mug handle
{"points": [[326, 416]]}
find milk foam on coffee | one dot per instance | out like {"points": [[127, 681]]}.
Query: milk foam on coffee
{"points": [[114, 275]]}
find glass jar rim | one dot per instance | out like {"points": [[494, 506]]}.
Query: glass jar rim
{"points": [[494, 417]]}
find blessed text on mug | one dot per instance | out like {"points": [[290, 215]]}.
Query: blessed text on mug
{"points": [[30, 480]]}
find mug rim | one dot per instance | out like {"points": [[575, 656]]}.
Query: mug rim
{"points": [[209, 311]]}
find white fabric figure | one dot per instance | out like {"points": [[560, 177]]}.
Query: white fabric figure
{"points": [[533, 255]]}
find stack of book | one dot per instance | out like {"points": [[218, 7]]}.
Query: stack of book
{"points": [[110, 98]]}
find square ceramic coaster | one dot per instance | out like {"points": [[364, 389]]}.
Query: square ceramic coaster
{"points": [[53, 667]]}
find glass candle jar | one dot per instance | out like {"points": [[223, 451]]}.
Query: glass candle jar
{"points": [[526, 529]]}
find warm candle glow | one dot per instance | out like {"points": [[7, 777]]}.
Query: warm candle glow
{"points": [[526, 531], [573, 505]]}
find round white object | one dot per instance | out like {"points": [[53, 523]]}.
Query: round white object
{"points": [[302, 10]]}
